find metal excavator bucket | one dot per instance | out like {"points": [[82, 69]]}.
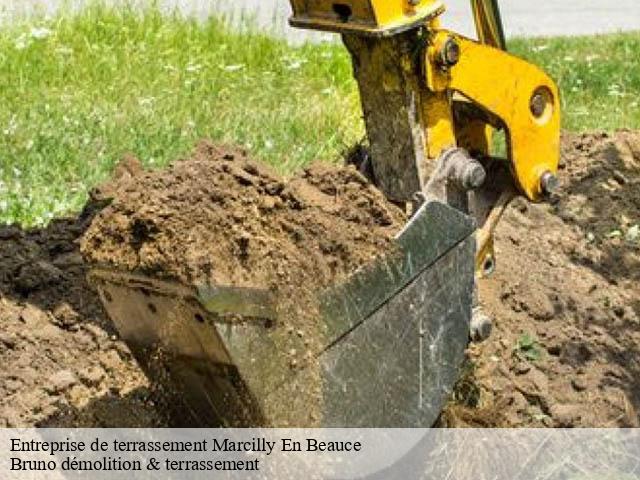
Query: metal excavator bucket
{"points": [[390, 341]]}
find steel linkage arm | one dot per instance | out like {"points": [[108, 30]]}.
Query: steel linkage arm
{"points": [[519, 95]]}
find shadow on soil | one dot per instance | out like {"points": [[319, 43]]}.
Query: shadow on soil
{"points": [[43, 267], [597, 198], [602, 191], [42, 271]]}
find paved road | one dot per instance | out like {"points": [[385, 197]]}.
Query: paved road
{"points": [[542, 17]]}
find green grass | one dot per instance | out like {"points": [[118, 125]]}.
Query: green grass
{"points": [[107, 82], [78, 91]]}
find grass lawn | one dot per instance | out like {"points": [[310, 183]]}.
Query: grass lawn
{"points": [[77, 92]]}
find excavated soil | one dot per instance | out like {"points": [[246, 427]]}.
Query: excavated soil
{"points": [[565, 351], [60, 361], [565, 297], [217, 217], [220, 218]]}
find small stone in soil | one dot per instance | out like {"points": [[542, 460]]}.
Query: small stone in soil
{"points": [[619, 177], [522, 367], [579, 384], [65, 316], [61, 381], [8, 340], [92, 376]]}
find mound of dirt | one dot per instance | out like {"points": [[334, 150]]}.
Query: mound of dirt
{"points": [[224, 219], [219, 218], [565, 351]]}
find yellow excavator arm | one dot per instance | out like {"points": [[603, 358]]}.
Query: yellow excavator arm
{"points": [[432, 100]]}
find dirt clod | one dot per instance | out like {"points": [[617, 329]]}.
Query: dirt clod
{"points": [[92, 376], [61, 381], [64, 316], [7, 340], [580, 384], [219, 218]]}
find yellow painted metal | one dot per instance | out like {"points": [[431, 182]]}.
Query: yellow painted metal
{"points": [[493, 82], [370, 17], [486, 15], [485, 255], [504, 86], [484, 235], [477, 136], [437, 114], [439, 125]]}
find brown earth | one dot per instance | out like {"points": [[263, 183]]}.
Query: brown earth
{"points": [[60, 361], [566, 301], [218, 218], [223, 219], [565, 298]]}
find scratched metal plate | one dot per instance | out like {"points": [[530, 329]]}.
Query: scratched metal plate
{"points": [[399, 366]]}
